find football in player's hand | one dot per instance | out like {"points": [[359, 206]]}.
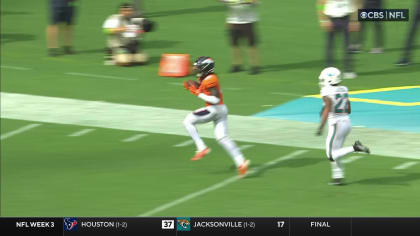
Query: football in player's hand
{"points": [[193, 83]]}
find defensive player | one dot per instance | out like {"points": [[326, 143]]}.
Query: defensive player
{"points": [[336, 109], [208, 89]]}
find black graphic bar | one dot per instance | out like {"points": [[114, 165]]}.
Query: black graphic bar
{"points": [[191, 226]]}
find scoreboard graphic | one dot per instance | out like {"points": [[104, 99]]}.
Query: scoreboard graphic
{"points": [[179, 226]]}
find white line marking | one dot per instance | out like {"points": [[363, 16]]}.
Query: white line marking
{"points": [[233, 89], [15, 67], [81, 132], [246, 146], [134, 138], [176, 83], [267, 105], [359, 126], [406, 165], [148, 119], [288, 94], [351, 159], [18, 131], [221, 184], [184, 144], [98, 76]]}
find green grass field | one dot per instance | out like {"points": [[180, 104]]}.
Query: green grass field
{"points": [[46, 172]]}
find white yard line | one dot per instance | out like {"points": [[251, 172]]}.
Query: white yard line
{"points": [[288, 94], [233, 89], [134, 138], [176, 83], [18, 131], [220, 184], [184, 144], [98, 76], [81, 132], [246, 146], [351, 159], [15, 67], [406, 165]]}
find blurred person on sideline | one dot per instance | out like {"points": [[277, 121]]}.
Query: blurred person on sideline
{"points": [[241, 23], [408, 48], [124, 32], [62, 11], [339, 16], [378, 26]]}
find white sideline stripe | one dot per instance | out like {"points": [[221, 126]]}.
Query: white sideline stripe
{"points": [[406, 165], [81, 132], [184, 144], [18, 131], [134, 138], [98, 76], [246, 146], [267, 105], [15, 67], [351, 159], [148, 119], [221, 184]]}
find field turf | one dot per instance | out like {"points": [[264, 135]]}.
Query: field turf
{"points": [[46, 172]]}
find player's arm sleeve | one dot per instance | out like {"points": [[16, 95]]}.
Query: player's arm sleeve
{"points": [[324, 92], [214, 98], [209, 98]]}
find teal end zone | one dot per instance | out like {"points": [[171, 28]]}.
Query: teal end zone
{"points": [[370, 115]]}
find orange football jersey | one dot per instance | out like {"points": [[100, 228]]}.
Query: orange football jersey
{"points": [[209, 82]]}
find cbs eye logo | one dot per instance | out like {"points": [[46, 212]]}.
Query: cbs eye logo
{"points": [[363, 15]]}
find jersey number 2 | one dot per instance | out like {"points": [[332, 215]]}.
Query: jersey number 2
{"points": [[342, 100]]}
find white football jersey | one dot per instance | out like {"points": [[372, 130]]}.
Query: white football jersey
{"points": [[339, 102], [339, 8]]}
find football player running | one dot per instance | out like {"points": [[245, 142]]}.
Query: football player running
{"points": [[208, 89], [336, 110]]}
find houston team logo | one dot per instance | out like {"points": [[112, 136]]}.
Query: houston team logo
{"points": [[70, 224], [183, 224]]}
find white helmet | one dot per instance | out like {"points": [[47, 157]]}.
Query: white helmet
{"points": [[329, 76]]}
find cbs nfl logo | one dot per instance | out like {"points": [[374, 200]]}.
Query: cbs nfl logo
{"points": [[383, 14]]}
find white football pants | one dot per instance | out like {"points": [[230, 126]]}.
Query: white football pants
{"points": [[337, 134], [217, 114]]}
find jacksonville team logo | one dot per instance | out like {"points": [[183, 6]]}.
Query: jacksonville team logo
{"points": [[183, 224], [70, 224]]}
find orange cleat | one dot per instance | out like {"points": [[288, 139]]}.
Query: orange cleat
{"points": [[242, 169], [201, 154]]}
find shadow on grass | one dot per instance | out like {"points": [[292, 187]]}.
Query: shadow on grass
{"points": [[415, 67], [401, 180], [292, 163], [12, 38]]}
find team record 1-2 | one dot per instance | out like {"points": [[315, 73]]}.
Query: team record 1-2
{"points": [[178, 226]]}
